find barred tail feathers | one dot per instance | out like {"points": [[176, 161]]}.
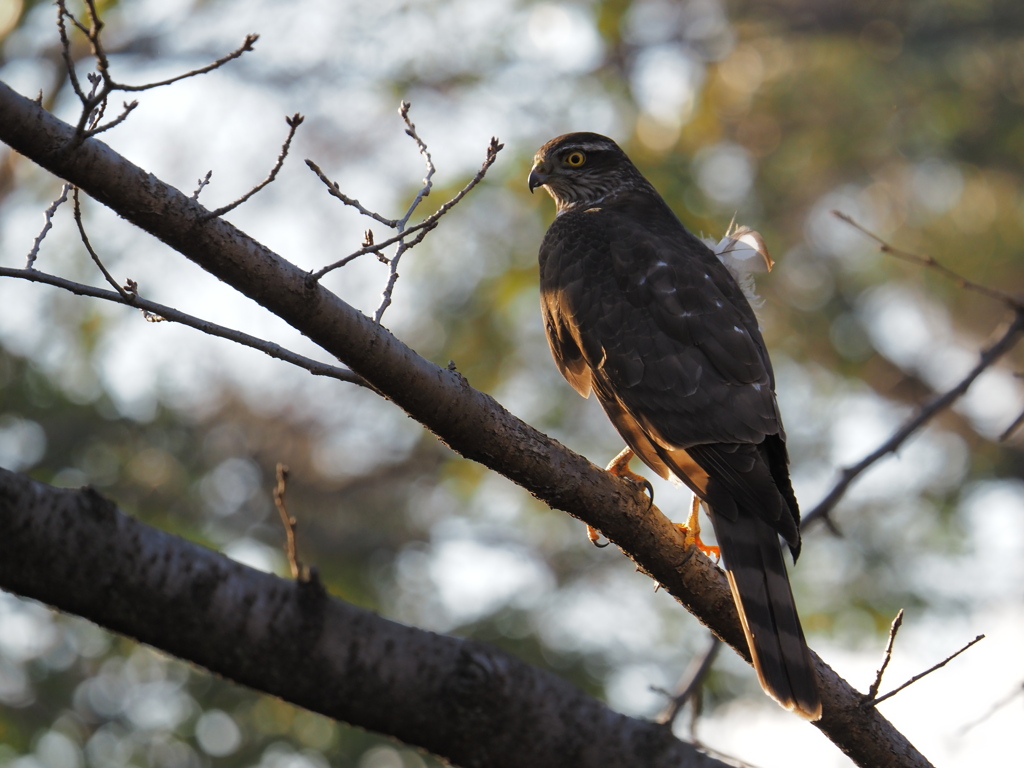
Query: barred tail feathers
{"points": [[754, 563]]}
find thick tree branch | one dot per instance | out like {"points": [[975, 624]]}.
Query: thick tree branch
{"points": [[468, 702], [470, 422]]}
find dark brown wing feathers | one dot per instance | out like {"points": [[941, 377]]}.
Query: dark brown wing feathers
{"points": [[639, 310]]}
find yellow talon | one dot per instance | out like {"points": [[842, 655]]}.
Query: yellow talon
{"points": [[593, 534]]}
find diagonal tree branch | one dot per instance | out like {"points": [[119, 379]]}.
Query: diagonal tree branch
{"points": [[468, 702], [154, 311], [1014, 302], [1006, 342], [467, 420]]}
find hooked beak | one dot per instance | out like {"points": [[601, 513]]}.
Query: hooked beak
{"points": [[539, 176]]}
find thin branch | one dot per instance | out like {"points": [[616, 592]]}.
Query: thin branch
{"points": [[47, 225], [927, 261], [939, 403], [427, 185], [65, 48], [492, 154], [1006, 342], [94, 103], [290, 523], [428, 223], [125, 296], [205, 326], [245, 47], [893, 629], [293, 125], [96, 25], [389, 289], [373, 248], [335, 190], [202, 184], [103, 64], [915, 678], [692, 681], [129, 106]]}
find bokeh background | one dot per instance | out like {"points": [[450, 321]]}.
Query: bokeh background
{"points": [[908, 118]]}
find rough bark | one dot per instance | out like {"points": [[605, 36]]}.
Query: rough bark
{"points": [[467, 420], [465, 701]]}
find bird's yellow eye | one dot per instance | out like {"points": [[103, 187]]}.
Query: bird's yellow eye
{"points": [[575, 159]]}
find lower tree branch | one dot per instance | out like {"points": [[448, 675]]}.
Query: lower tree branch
{"points": [[468, 421], [465, 701]]}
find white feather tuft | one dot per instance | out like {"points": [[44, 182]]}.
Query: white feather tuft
{"points": [[744, 252]]}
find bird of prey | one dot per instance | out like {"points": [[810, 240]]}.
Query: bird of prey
{"points": [[641, 312]]}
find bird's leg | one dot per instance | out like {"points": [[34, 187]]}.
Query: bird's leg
{"points": [[619, 467], [691, 532]]}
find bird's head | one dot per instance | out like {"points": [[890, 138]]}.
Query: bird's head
{"points": [[581, 169]]}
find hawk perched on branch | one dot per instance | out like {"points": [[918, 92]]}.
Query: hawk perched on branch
{"points": [[641, 312]]}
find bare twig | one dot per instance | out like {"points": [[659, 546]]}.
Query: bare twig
{"points": [[293, 125], [289, 523], [927, 261], [893, 629], [691, 682], [915, 678], [128, 107], [428, 223], [373, 248], [335, 190], [389, 289], [427, 185], [170, 314], [202, 184], [65, 48], [404, 245], [1005, 343], [125, 296], [431, 222], [94, 103], [47, 225], [245, 47]]}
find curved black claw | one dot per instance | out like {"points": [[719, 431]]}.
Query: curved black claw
{"points": [[650, 493], [599, 545]]}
